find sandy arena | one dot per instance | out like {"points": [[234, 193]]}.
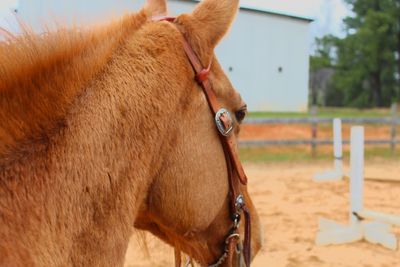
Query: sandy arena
{"points": [[290, 204]]}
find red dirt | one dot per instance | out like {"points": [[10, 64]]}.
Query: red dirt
{"points": [[290, 204], [303, 131]]}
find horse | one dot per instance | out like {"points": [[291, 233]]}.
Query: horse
{"points": [[105, 129]]}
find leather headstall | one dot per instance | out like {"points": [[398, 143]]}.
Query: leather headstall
{"points": [[236, 175]]}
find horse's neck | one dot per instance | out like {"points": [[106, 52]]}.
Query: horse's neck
{"points": [[92, 176], [42, 76]]}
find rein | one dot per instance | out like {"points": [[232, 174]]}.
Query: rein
{"points": [[225, 125]]}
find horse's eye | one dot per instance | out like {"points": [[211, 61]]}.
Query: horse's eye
{"points": [[240, 114]]}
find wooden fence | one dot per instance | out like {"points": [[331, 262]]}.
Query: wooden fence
{"points": [[393, 121]]}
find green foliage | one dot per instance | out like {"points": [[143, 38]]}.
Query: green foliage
{"points": [[366, 61], [324, 55]]}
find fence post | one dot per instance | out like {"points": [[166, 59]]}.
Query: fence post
{"points": [[393, 132], [314, 128]]}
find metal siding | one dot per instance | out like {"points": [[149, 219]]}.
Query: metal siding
{"points": [[43, 14], [255, 48], [258, 44]]}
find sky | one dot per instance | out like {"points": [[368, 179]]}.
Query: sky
{"points": [[5, 13], [328, 14]]}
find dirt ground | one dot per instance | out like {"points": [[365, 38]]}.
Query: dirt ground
{"points": [[303, 131], [290, 204]]}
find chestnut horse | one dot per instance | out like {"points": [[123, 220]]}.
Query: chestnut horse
{"points": [[107, 128]]}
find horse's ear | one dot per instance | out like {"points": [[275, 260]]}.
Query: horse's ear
{"points": [[210, 21], [155, 8]]}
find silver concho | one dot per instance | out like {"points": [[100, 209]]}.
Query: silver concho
{"points": [[219, 123]]}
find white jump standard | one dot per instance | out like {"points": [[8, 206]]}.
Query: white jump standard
{"points": [[337, 172], [364, 224]]}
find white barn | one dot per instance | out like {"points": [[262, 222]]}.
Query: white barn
{"points": [[266, 54]]}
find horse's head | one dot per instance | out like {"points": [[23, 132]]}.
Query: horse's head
{"points": [[188, 204]]}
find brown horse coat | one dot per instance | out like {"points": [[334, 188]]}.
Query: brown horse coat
{"points": [[91, 122]]}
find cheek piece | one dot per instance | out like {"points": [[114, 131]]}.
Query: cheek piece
{"points": [[232, 246]]}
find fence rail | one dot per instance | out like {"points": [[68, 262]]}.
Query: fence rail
{"points": [[384, 120], [256, 143], [393, 121]]}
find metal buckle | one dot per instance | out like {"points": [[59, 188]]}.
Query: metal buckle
{"points": [[234, 235], [236, 221], [239, 203], [220, 124]]}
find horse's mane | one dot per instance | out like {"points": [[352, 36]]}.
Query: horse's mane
{"points": [[41, 75]]}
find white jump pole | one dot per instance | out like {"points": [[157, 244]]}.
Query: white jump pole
{"points": [[377, 229], [337, 145], [337, 172], [356, 172]]}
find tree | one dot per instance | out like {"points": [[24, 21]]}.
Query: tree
{"points": [[396, 17], [366, 72], [321, 68]]}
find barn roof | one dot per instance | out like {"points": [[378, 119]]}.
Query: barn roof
{"points": [[275, 12], [245, 6]]}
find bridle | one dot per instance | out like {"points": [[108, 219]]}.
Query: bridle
{"points": [[225, 125]]}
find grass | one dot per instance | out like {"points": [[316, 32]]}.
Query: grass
{"points": [[303, 154], [326, 113]]}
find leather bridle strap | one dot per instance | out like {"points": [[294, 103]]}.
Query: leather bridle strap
{"points": [[202, 79], [236, 173], [235, 169], [236, 207]]}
